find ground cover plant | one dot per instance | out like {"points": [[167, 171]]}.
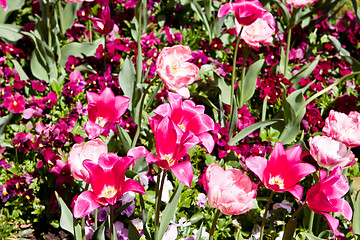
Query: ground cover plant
{"points": [[179, 119]]}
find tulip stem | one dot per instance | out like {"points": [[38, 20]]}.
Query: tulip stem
{"points": [[83, 236], [265, 214], [111, 222], [211, 233], [159, 189], [311, 221]]}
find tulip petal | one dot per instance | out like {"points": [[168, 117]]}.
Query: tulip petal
{"points": [[333, 222], [133, 186], [93, 130], [184, 172], [225, 9], [343, 207], [165, 137], [257, 165], [296, 191], [85, 204], [207, 141], [138, 152]]}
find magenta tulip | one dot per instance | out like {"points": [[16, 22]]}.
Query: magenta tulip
{"points": [[330, 153], [325, 196], [283, 170], [230, 191], [343, 128], [108, 183], [91, 150], [3, 3], [104, 109], [174, 69], [187, 116], [171, 148]]}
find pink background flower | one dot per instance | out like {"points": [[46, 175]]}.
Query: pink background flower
{"points": [[300, 3], [259, 32]]}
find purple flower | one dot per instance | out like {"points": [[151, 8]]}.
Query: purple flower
{"points": [[201, 200]]}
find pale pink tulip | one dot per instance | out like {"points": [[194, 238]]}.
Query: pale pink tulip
{"points": [[283, 171], [343, 128], [187, 116], [259, 32], [108, 183], [170, 150], [300, 3], [325, 197], [174, 69], [3, 3], [104, 109], [230, 191], [330, 153], [91, 150]]}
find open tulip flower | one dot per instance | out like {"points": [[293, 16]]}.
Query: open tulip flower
{"points": [[188, 116], [108, 183], [104, 109], [174, 69], [343, 128], [170, 151], [325, 196], [283, 171], [230, 191]]}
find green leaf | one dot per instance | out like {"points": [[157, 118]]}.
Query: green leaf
{"points": [[304, 72], [99, 234], [4, 121], [356, 216], [289, 229], [246, 131], [196, 217], [197, 8], [68, 15], [284, 11], [13, 5], [169, 211], [10, 32], [66, 218], [127, 80], [124, 138], [198, 234], [281, 66], [19, 69], [345, 54], [78, 50], [233, 119], [224, 88], [37, 68], [251, 79], [133, 233]]}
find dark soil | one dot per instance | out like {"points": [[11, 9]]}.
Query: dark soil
{"points": [[44, 231]]}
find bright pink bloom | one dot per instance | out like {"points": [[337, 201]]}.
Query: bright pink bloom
{"points": [[104, 109], [343, 128], [283, 170], [108, 183], [3, 3], [15, 103], [105, 25], [259, 32], [325, 196], [330, 153], [246, 11], [300, 3], [187, 116], [170, 149], [91, 150], [174, 69], [230, 191]]}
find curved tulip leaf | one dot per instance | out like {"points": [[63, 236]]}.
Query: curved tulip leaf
{"points": [[127, 80], [67, 218], [251, 79]]}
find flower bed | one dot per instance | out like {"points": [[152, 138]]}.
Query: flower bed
{"points": [[179, 119]]}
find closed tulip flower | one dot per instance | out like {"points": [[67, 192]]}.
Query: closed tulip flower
{"points": [[230, 191], [330, 153]]}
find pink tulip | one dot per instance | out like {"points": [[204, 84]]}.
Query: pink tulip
{"points": [[343, 128], [108, 183], [300, 3], [330, 153], [325, 196], [259, 32], [283, 170], [104, 109], [230, 191], [187, 116], [91, 150], [170, 150], [174, 70], [3, 3]]}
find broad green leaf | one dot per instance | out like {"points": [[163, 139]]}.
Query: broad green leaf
{"points": [[224, 88], [37, 67], [127, 79], [289, 229], [246, 131], [133, 233], [197, 8], [233, 119], [345, 54], [169, 211], [356, 216], [19, 69], [99, 234], [198, 235], [13, 5], [281, 65], [10, 32], [78, 50], [251, 79], [68, 15], [304, 72], [66, 218], [124, 138], [196, 217], [4, 121]]}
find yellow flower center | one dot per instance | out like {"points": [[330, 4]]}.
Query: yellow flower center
{"points": [[169, 160], [108, 192], [182, 127], [277, 181], [100, 121], [15, 103]]}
